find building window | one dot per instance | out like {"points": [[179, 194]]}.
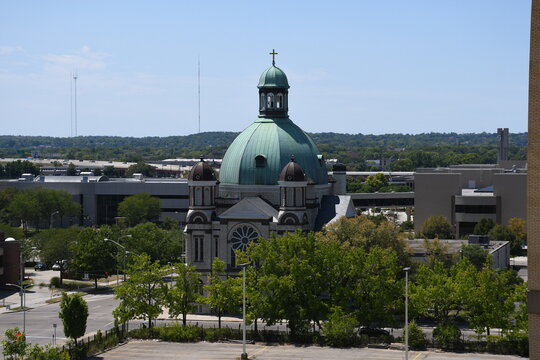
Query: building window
{"points": [[263, 102], [242, 236], [270, 102], [199, 248], [279, 103], [216, 246], [260, 161]]}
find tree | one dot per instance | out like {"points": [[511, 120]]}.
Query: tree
{"points": [[71, 170], [56, 246], [374, 183], [437, 227], [490, 303], [14, 169], [141, 168], [483, 226], [25, 208], [402, 165], [110, 171], [140, 208], [143, 294], [165, 246], [74, 313], [518, 226], [504, 233], [437, 251], [475, 254], [14, 345], [92, 255], [223, 295], [184, 292]]}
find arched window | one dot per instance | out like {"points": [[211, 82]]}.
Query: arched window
{"points": [[198, 196], [260, 161], [263, 102], [270, 102], [207, 197], [279, 102]]}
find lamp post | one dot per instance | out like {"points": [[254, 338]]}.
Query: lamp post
{"points": [[406, 312], [23, 302], [125, 251], [244, 355], [51, 218]]}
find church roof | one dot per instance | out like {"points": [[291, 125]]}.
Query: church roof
{"points": [[201, 171], [252, 208], [273, 77], [292, 172], [259, 153]]}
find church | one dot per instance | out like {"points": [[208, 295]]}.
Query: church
{"points": [[273, 179]]}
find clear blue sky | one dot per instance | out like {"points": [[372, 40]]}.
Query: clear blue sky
{"points": [[372, 67]]}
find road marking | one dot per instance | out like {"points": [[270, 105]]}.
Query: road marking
{"points": [[416, 357], [255, 353]]}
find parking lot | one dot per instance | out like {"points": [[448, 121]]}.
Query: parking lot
{"points": [[138, 349]]}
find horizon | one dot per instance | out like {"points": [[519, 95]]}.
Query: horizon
{"points": [[354, 67]]}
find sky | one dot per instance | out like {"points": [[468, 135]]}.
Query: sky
{"points": [[359, 66]]}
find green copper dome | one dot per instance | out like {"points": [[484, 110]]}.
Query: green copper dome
{"points": [[273, 77], [259, 153]]}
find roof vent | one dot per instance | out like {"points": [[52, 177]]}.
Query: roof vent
{"points": [[138, 176]]}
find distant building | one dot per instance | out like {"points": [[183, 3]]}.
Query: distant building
{"points": [[10, 266], [464, 194]]}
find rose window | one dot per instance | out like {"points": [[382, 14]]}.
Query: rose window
{"points": [[242, 236]]}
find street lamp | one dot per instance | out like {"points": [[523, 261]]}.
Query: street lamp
{"points": [[406, 312], [23, 301], [125, 251], [244, 355], [51, 218]]}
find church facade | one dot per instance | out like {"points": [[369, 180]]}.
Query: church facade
{"points": [[273, 179]]}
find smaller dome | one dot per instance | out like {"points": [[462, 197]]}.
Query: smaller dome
{"points": [[273, 77], [201, 171], [292, 172]]}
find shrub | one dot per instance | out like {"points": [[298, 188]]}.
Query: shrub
{"points": [[339, 329], [417, 338], [55, 281], [447, 336]]}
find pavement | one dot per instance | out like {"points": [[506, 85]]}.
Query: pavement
{"points": [[140, 349]]}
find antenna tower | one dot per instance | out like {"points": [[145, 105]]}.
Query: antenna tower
{"points": [[199, 89], [75, 102]]}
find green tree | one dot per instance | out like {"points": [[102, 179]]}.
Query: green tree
{"points": [[475, 254], [47, 352], [74, 314], [92, 255], [25, 208], [222, 295], [14, 169], [71, 170], [143, 294], [437, 251], [141, 168], [140, 208], [504, 233], [483, 226], [14, 345], [490, 303], [437, 227], [55, 246], [402, 165], [289, 282], [375, 182], [165, 246], [110, 171], [184, 292], [339, 330]]}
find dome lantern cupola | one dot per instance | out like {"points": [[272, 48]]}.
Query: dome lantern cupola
{"points": [[273, 92]]}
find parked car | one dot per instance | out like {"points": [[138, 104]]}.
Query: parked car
{"points": [[56, 267], [375, 333], [40, 266]]}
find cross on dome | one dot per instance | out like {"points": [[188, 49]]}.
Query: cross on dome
{"points": [[273, 53]]}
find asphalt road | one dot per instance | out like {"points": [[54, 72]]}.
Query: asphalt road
{"points": [[135, 350]]}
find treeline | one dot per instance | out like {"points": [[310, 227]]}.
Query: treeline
{"points": [[421, 150], [334, 282]]}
